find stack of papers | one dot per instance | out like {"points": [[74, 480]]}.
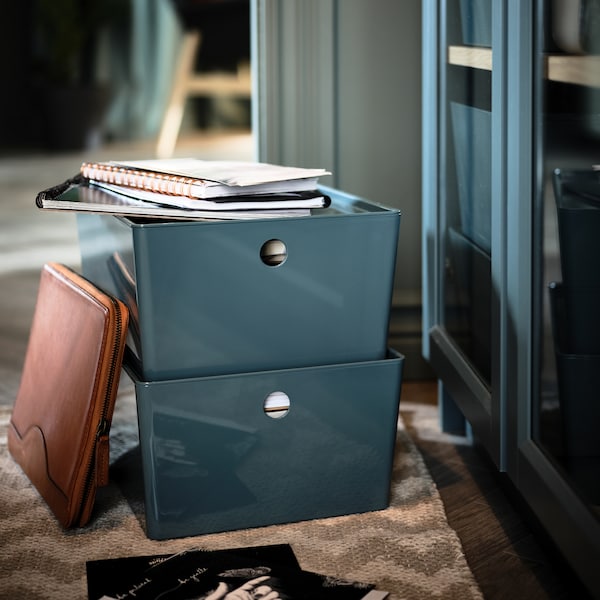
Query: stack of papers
{"points": [[190, 188]]}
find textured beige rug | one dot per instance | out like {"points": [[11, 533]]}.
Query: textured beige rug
{"points": [[408, 549]]}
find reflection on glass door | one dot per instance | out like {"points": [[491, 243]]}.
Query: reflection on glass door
{"points": [[466, 195], [567, 240]]}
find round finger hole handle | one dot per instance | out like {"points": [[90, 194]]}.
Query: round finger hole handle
{"points": [[277, 405], [273, 253]]}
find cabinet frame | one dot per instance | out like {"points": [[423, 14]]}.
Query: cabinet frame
{"points": [[463, 390]]}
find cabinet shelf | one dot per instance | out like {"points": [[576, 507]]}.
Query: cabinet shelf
{"points": [[474, 57], [580, 70], [564, 68]]}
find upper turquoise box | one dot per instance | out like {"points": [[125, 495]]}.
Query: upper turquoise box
{"points": [[220, 297]]}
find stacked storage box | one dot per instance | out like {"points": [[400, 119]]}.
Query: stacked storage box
{"points": [[576, 318], [265, 390]]}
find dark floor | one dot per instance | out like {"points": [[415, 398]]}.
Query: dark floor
{"points": [[508, 556]]}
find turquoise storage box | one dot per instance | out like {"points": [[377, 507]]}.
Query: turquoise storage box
{"points": [[245, 450], [210, 298]]}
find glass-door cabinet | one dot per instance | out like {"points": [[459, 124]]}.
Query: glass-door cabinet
{"points": [[511, 248]]}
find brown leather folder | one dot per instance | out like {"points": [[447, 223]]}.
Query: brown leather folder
{"points": [[59, 428]]}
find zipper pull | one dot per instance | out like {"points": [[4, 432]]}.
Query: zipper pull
{"points": [[102, 452], [103, 428]]}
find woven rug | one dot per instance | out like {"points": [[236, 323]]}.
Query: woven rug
{"points": [[408, 549]]}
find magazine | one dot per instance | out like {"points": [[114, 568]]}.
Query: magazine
{"points": [[269, 572]]}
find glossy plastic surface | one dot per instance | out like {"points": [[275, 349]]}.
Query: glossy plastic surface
{"points": [[215, 460], [204, 301]]}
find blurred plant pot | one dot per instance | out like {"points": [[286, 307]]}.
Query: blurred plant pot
{"points": [[74, 116]]}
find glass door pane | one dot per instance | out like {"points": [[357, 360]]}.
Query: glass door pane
{"points": [[566, 419], [466, 119]]}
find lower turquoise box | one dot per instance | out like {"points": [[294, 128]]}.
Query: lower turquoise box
{"points": [[246, 450]]}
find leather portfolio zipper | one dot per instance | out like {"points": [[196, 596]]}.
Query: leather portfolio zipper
{"points": [[103, 426]]}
